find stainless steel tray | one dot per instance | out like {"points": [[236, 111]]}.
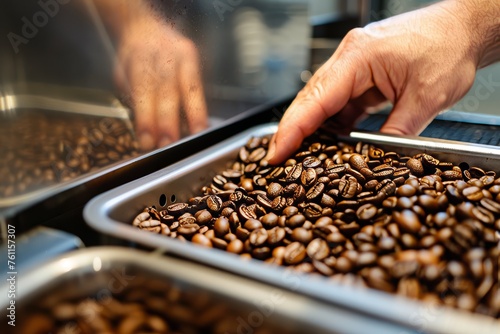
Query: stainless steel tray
{"points": [[49, 120], [101, 272], [113, 211]]}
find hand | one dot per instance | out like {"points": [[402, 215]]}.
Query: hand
{"points": [[159, 71], [423, 62]]}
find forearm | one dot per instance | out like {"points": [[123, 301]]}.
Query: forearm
{"points": [[482, 17]]}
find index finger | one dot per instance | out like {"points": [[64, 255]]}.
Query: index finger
{"points": [[324, 95]]}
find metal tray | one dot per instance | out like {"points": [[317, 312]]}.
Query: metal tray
{"points": [[112, 212], [95, 274], [53, 121]]}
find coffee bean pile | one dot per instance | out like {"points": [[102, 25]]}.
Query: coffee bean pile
{"points": [[411, 225], [144, 304], [39, 149]]}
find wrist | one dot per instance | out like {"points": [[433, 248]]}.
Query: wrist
{"points": [[482, 19]]}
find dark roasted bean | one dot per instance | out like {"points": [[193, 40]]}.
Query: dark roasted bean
{"points": [[294, 253]]}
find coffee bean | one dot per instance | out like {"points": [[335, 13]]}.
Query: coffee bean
{"points": [[295, 221], [294, 253], [366, 212], [318, 249], [473, 193], [407, 220], [188, 229], [202, 240], [276, 235], [258, 237], [302, 235], [221, 226]]}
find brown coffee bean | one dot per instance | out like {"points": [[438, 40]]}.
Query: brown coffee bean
{"points": [[404, 268], [366, 259], [221, 226], [261, 253], [203, 217], [407, 220], [302, 235], [294, 253], [473, 193], [409, 287], [252, 224], [343, 265], [258, 237], [276, 235], [295, 221], [188, 229], [366, 212], [202, 240], [318, 249], [219, 243]]}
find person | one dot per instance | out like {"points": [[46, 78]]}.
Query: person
{"points": [[422, 62], [157, 71]]}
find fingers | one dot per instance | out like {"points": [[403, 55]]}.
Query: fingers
{"points": [[142, 98], [324, 95], [167, 102], [412, 113], [191, 89]]}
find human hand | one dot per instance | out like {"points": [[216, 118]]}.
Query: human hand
{"points": [[423, 62], [158, 71]]}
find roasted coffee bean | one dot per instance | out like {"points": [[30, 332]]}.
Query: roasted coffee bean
{"points": [[407, 221], [219, 243], [258, 237], [415, 166], [187, 218], [313, 211], [188, 229], [293, 173], [294, 253], [308, 177], [221, 226], [246, 212], [366, 212], [275, 236], [318, 249], [302, 235], [202, 240], [203, 217], [315, 191], [473, 193], [241, 233], [311, 162], [178, 209], [257, 154], [214, 203]]}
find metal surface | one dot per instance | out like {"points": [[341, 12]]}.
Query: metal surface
{"points": [[23, 114], [290, 312], [112, 213], [37, 247]]}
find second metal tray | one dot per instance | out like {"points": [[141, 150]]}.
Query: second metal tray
{"points": [[112, 213]]}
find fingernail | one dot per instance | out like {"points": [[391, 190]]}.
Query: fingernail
{"points": [[146, 141]]}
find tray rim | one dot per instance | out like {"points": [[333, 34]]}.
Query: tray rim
{"points": [[376, 303]]}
